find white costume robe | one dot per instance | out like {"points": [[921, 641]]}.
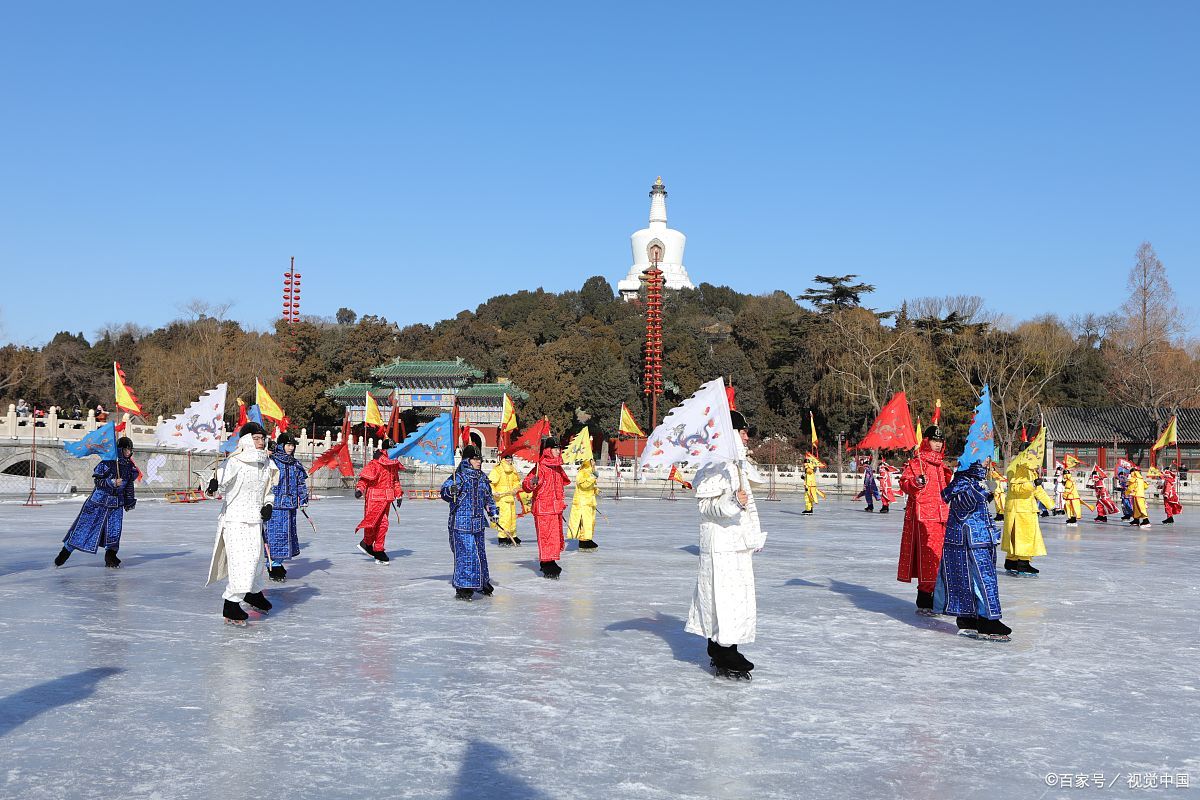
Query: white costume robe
{"points": [[246, 481], [723, 605]]}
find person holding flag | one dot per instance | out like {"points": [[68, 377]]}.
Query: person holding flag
{"points": [[966, 585], [812, 492], [246, 481], [506, 483], [1170, 495], [923, 479], [582, 523], [887, 485], [291, 495], [1022, 536], [891, 430], [1135, 490], [1104, 502], [102, 518], [998, 489], [471, 508], [546, 483], [1121, 483], [379, 483], [1072, 505]]}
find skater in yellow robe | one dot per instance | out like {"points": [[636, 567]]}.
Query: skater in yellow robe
{"points": [[996, 477], [506, 483], [1135, 490], [582, 523], [1071, 502], [812, 495], [1022, 538]]}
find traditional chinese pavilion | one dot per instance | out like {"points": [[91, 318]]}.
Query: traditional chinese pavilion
{"points": [[425, 389]]}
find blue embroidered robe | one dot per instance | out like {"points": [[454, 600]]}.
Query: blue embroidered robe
{"points": [[291, 493], [99, 521], [470, 497], [966, 581], [870, 491]]}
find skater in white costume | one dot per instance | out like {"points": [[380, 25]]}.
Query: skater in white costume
{"points": [[724, 610], [246, 481]]}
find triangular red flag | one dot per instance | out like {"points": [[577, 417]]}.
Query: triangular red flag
{"points": [[892, 429], [528, 444]]}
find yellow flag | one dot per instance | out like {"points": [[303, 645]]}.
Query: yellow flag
{"points": [[1033, 455], [580, 448], [919, 436], [373, 417], [628, 425], [1070, 461], [1169, 436], [508, 417], [812, 425], [126, 399], [266, 404]]}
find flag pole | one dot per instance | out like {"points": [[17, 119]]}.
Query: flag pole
{"points": [[32, 501]]}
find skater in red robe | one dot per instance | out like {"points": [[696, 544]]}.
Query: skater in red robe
{"points": [[887, 485], [379, 482], [1104, 502], [546, 482], [1170, 495], [923, 480]]}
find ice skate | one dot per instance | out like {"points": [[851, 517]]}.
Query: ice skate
{"points": [[1145, 523], [277, 574], [743, 662], [62, 557], [365, 549], [234, 615], [1025, 568], [587, 544], [505, 541], [998, 518], [516, 540], [258, 601], [488, 590], [1169, 521], [110, 559], [1072, 521], [806, 511], [1101, 518], [464, 594], [967, 626], [551, 569], [1012, 567], [884, 510], [381, 558], [726, 664], [1044, 513]]}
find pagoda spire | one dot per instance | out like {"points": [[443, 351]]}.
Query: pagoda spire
{"points": [[658, 203]]}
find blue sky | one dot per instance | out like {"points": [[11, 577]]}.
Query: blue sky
{"points": [[420, 158]]}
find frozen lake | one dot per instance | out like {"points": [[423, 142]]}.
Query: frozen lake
{"points": [[370, 681]]}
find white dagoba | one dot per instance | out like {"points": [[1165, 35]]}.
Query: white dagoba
{"points": [[659, 241]]}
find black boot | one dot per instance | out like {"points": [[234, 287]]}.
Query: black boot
{"points": [[994, 630], [1028, 568], [365, 548], [727, 663], [1101, 518], [587, 544], [746, 664], [110, 559], [505, 541], [884, 509], [1072, 521], [1145, 523], [464, 594], [998, 518], [381, 557], [1169, 521], [869, 510], [258, 601], [925, 603], [487, 590], [277, 574], [967, 626], [516, 539], [233, 613], [1012, 566], [550, 569], [62, 557], [1045, 513]]}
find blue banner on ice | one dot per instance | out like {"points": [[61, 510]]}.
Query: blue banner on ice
{"points": [[253, 414], [981, 438], [100, 442], [432, 443]]}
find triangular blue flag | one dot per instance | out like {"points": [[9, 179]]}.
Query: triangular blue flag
{"points": [[100, 442], [432, 443], [230, 444], [981, 438], [254, 414]]}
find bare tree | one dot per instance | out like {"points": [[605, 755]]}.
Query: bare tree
{"points": [[869, 362], [1017, 365], [1149, 366]]}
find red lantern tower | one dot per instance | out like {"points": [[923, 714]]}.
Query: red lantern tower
{"points": [[291, 294], [652, 379]]}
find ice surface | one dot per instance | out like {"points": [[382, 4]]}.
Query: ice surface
{"points": [[372, 681]]}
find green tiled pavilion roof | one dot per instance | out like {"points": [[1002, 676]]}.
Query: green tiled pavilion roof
{"points": [[495, 390], [426, 369], [351, 390]]}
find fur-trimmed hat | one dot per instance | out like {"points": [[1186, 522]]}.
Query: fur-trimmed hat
{"points": [[738, 419], [285, 438], [470, 451], [548, 442], [124, 442], [934, 432], [250, 429]]}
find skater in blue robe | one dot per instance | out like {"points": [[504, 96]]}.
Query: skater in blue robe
{"points": [[291, 494], [1121, 481], [471, 508], [870, 490], [103, 514], [966, 580]]}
